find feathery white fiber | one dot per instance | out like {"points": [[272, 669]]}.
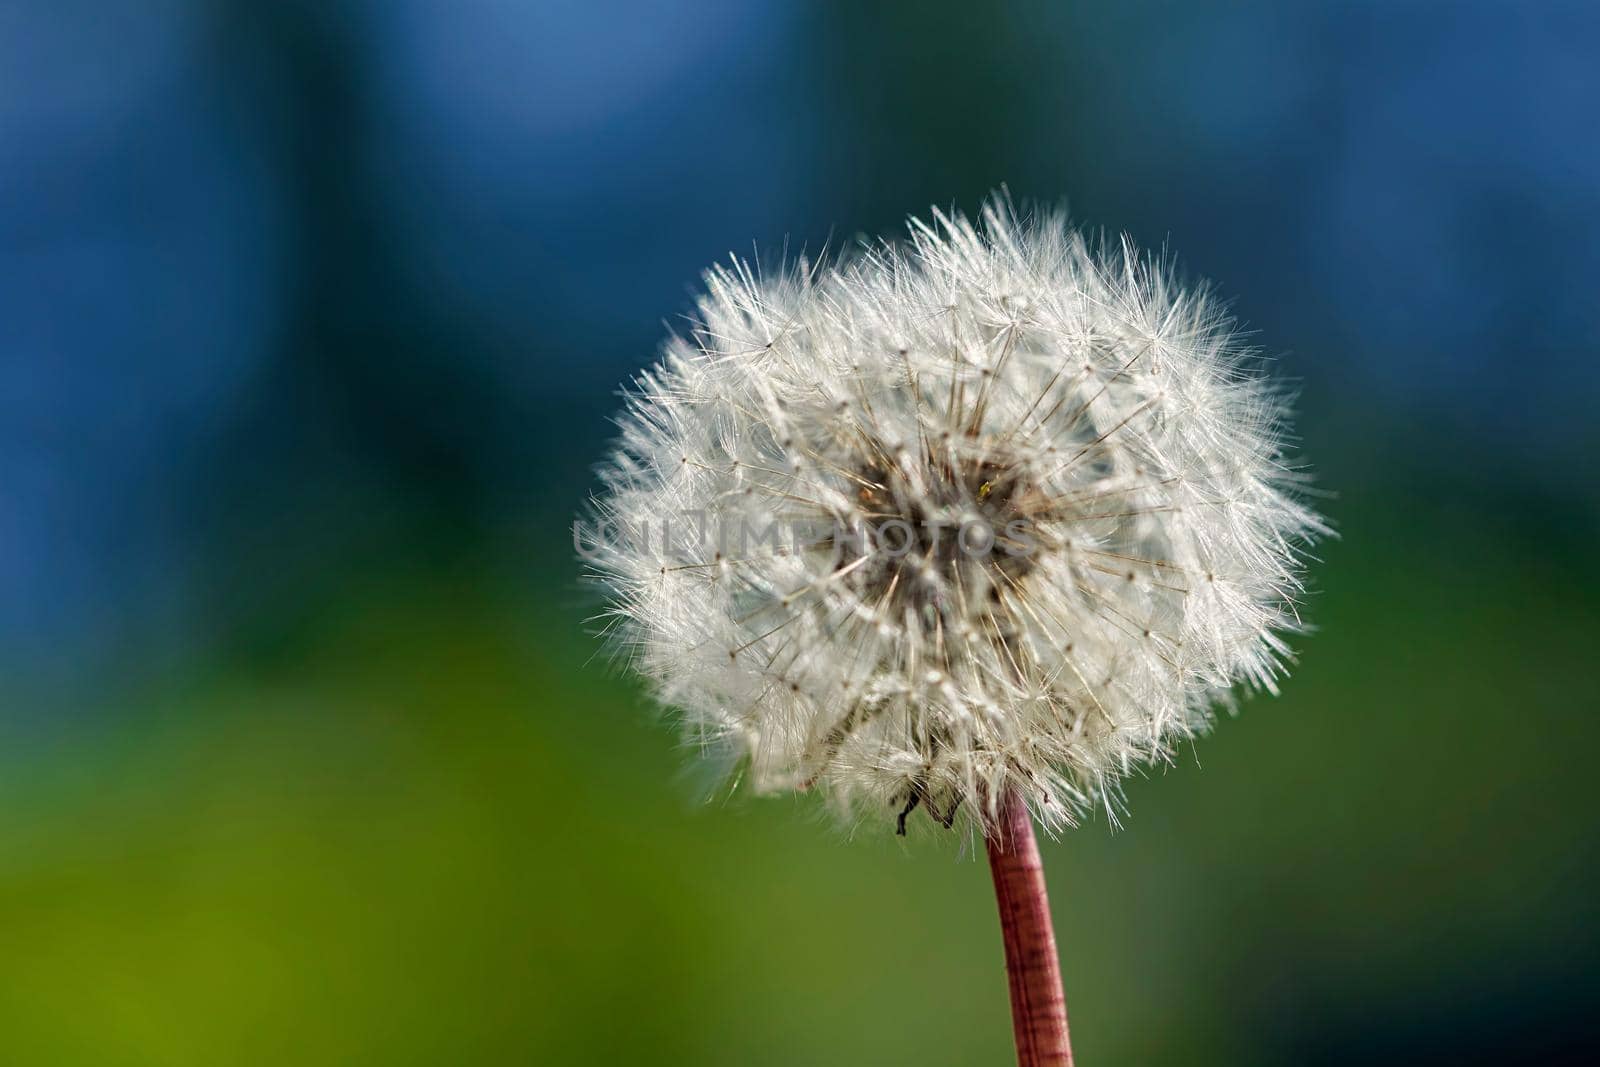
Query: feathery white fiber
{"points": [[996, 509]]}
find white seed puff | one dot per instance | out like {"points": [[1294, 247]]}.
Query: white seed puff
{"points": [[996, 509]]}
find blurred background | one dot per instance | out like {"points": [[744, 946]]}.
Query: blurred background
{"points": [[312, 314]]}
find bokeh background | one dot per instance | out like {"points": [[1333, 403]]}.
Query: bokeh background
{"points": [[312, 313]]}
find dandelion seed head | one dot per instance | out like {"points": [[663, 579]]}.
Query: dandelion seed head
{"points": [[995, 508]]}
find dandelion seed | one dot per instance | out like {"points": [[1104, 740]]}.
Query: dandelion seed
{"points": [[1014, 442]]}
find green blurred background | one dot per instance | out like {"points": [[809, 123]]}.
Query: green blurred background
{"points": [[311, 318]]}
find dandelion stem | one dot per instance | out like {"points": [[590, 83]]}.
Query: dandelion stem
{"points": [[1038, 1007]]}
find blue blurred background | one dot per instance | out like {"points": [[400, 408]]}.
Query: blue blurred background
{"points": [[312, 315]]}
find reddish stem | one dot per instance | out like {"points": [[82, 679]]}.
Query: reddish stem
{"points": [[1038, 1008]]}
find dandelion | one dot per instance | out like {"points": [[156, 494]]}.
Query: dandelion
{"points": [[971, 525]]}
